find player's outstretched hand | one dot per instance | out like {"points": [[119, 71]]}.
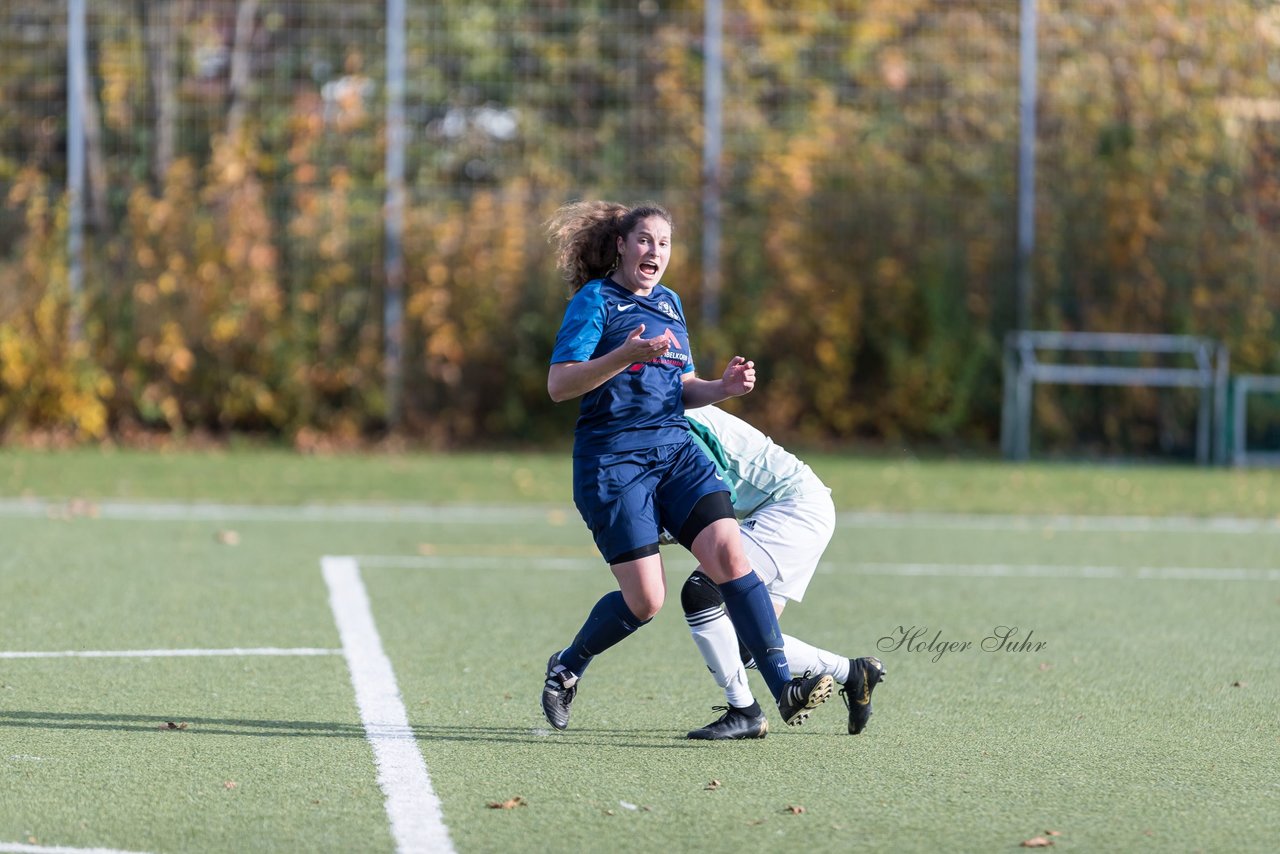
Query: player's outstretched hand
{"points": [[739, 377], [640, 349]]}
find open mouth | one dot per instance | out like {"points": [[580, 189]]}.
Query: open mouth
{"points": [[648, 268]]}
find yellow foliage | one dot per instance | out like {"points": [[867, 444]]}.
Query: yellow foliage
{"points": [[868, 189], [47, 382]]}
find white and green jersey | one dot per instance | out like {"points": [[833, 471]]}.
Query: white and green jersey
{"points": [[757, 471]]}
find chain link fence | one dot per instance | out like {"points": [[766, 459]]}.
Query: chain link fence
{"points": [[844, 177]]}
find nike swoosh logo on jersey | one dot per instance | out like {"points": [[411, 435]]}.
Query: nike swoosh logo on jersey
{"points": [[627, 307]]}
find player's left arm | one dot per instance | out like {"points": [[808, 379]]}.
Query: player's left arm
{"points": [[738, 379]]}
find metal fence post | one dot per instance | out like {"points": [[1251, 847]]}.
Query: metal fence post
{"points": [[1009, 408], [1026, 160], [393, 214], [77, 87], [1221, 385], [1204, 419], [712, 110]]}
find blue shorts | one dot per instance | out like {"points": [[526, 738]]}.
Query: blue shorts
{"points": [[628, 498]]}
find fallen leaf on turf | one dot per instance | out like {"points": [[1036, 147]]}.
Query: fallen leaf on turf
{"points": [[712, 786], [1037, 842], [1053, 833], [627, 806], [228, 538], [1239, 684], [1044, 665], [508, 804], [794, 809], [172, 725], [82, 507], [229, 784]]}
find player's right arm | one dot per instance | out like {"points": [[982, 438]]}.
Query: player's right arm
{"points": [[567, 380]]}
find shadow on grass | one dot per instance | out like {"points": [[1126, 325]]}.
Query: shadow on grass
{"points": [[103, 722], [177, 723]]}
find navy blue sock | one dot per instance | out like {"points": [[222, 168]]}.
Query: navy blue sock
{"points": [[751, 611], [609, 622]]}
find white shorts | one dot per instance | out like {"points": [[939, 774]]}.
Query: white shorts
{"points": [[785, 540]]}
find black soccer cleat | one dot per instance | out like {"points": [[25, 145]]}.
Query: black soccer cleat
{"points": [[864, 675], [802, 695], [558, 692], [734, 724]]}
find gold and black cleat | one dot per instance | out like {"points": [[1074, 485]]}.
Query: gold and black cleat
{"points": [[864, 675], [802, 695]]}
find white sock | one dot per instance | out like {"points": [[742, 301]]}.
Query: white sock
{"points": [[717, 641], [803, 657]]}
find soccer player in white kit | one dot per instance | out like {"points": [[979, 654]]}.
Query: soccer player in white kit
{"points": [[787, 519]]}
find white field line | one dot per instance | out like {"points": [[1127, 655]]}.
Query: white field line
{"points": [[998, 570], [1006, 522], [550, 564], [971, 570], [417, 821], [207, 511], [20, 848], [167, 653]]}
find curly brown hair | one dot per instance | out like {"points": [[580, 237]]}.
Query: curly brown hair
{"points": [[586, 235]]}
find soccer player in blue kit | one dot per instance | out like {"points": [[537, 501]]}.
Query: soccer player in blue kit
{"points": [[623, 348]]}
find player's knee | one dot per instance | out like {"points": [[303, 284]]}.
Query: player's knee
{"points": [[699, 593], [645, 604], [721, 554], [647, 611]]}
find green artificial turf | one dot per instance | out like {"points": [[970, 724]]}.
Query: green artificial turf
{"points": [[266, 476], [1145, 721]]}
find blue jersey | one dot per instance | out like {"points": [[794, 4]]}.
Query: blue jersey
{"points": [[643, 405]]}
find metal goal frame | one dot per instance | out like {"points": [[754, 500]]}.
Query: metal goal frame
{"points": [[1023, 369], [1242, 386]]}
